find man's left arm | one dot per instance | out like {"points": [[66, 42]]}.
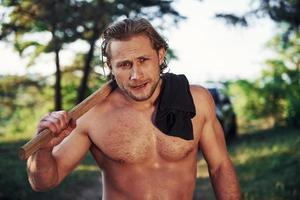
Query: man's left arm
{"points": [[212, 144]]}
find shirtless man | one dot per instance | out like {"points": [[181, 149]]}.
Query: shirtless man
{"points": [[138, 161]]}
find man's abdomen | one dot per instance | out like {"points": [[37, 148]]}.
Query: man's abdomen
{"points": [[162, 180]]}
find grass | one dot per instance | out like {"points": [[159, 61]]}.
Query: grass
{"points": [[13, 178], [267, 163]]}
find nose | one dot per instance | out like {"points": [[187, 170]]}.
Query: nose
{"points": [[136, 73]]}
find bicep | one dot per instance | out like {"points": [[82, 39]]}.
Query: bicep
{"points": [[212, 144], [211, 141], [71, 151]]}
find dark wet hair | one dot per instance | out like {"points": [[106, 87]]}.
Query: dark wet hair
{"points": [[127, 28]]}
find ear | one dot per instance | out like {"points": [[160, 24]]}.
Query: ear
{"points": [[108, 65], [161, 55]]}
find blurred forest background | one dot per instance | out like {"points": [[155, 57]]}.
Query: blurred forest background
{"points": [[267, 149]]}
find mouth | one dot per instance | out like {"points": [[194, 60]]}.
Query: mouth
{"points": [[139, 86]]}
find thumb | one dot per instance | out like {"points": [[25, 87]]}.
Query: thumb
{"points": [[70, 128], [72, 124]]}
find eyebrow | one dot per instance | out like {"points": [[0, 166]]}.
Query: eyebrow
{"points": [[144, 56], [123, 61]]}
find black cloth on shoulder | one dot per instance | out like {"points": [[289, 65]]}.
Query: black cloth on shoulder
{"points": [[175, 107]]}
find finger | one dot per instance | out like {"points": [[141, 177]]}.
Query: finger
{"points": [[47, 124], [69, 129], [44, 118], [60, 119], [55, 141], [72, 123], [53, 121], [58, 139], [64, 117], [67, 132]]}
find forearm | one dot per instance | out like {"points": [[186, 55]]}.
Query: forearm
{"points": [[225, 182], [42, 170]]}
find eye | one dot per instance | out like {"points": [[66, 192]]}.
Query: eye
{"points": [[142, 59], [125, 65]]}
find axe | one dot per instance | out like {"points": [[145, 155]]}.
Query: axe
{"points": [[46, 135]]}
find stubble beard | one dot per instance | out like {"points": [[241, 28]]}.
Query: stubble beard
{"points": [[144, 97]]}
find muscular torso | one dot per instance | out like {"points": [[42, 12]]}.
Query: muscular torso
{"points": [[138, 161]]}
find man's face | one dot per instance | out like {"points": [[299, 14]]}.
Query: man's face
{"points": [[135, 66]]}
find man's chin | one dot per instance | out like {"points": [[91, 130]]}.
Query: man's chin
{"points": [[139, 98], [140, 95]]}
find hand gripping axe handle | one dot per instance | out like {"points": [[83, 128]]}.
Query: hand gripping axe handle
{"points": [[46, 135]]}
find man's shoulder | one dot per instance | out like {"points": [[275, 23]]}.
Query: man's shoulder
{"points": [[203, 100], [99, 111], [199, 92], [108, 106]]}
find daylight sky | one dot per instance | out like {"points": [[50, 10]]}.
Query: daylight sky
{"points": [[206, 47]]}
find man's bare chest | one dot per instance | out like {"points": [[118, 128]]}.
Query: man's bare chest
{"points": [[131, 137]]}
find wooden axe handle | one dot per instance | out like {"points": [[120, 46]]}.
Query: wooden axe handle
{"points": [[46, 135]]}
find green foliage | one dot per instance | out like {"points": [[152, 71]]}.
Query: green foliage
{"points": [[275, 95], [20, 96], [282, 12], [68, 21], [284, 71], [267, 163]]}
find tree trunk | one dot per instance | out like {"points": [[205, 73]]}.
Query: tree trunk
{"points": [[58, 97], [82, 90], [57, 47], [298, 71]]}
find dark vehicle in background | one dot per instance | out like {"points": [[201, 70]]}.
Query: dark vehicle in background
{"points": [[224, 109]]}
